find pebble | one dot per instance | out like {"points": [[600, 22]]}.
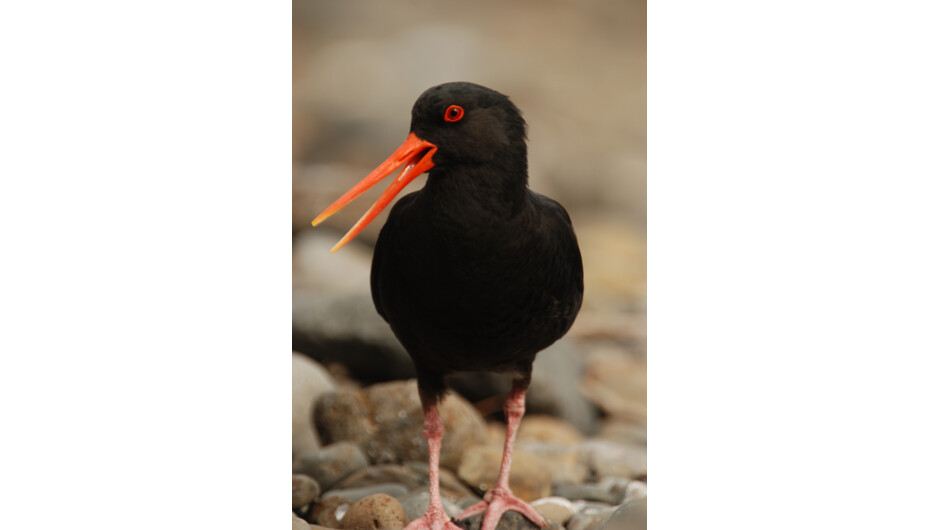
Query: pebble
{"points": [[555, 509], [541, 428], [305, 489], [357, 494], [309, 382], [562, 461], [450, 485], [383, 474], [616, 382], [529, 478], [635, 490], [378, 511], [299, 524], [509, 521], [331, 463], [329, 511], [628, 516], [416, 504], [386, 421], [590, 517], [610, 491], [610, 459]]}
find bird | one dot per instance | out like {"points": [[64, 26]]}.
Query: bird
{"points": [[473, 272]]}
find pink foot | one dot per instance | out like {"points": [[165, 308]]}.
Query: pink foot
{"points": [[433, 519], [495, 503]]}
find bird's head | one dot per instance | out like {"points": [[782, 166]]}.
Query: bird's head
{"points": [[452, 125]]}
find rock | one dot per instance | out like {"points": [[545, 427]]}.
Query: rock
{"points": [[616, 382], [450, 485], [317, 270], [417, 502], [610, 491], [554, 509], [357, 494], [309, 382], [635, 490], [564, 462], [509, 521], [540, 428], [553, 391], [630, 515], [344, 328], [590, 517], [384, 474], [609, 459], [377, 511], [332, 463], [386, 422], [622, 432], [299, 524], [529, 479], [329, 511], [305, 490]]}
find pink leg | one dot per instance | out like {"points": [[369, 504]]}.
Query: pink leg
{"points": [[435, 518], [500, 499]]}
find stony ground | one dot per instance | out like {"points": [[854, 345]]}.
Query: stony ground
{"points": [[577, 71]]}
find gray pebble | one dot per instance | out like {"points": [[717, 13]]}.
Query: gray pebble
{"points": [[328, 465], [630, 515], [590, 517], [305, 490], [355, 494], [417, 502]]}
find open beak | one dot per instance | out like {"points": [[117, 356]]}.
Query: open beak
{"points": [[415, 154]]}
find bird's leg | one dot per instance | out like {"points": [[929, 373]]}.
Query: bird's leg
{"points": [[435, 518], [500, 499]]}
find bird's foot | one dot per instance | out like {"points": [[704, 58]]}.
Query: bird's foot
{"points": [[433, 519], [497, 502]]}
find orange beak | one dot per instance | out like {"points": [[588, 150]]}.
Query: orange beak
{"points": [[415, 154]]}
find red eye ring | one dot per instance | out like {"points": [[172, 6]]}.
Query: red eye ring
{"points": [[453, 113]]}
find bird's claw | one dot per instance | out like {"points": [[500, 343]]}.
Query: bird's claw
{"points": [[497, 502]]}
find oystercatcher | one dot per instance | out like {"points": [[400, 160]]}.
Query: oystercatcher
{"points": [[474, 271]]}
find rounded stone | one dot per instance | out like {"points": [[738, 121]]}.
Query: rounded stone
{"points": [[309, 382], [305, 490], [332, 463], [540, 428], [374, 512], [555, 509], [529, 478], [386, 422]]}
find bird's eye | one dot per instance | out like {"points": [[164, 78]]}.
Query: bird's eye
{"points": [[453, 113]]}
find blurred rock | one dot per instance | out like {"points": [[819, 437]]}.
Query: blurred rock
{"points": [[299, 524], [540, 428], [528, 477], [554, 389], [630, 515], [554, 509], [356, 494], [384, 474], [386, 422], [614, 256], [329, 511], [610, 491], [635, 490], [450, 485], [509, 521], [622, 432], [332, 463], [317, 270], [377, 511], [309, 382], [609, 459], [305, 490], [590, 517], [417, 502], [616, 382], [564, 462], [345, 328]]}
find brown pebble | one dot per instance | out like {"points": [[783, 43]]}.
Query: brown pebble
{"points": [[375, 512]]}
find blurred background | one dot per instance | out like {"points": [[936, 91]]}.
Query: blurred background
{"points": [[577, 70]]}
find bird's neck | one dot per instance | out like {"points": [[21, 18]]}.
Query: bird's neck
{"points": [[495, 190]]}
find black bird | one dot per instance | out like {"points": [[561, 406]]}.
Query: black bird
{"points": [[474, 271]]}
